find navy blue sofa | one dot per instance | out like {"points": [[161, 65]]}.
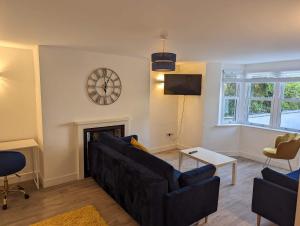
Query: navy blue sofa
{"points": [[275, 196], [150, 189]]}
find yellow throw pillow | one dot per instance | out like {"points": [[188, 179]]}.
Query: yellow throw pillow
{"points": [[138, 145]]}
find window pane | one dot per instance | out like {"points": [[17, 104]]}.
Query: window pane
{"points": [[262, 89], [292, 90], [290, 115], [230, 89], [230, 110], [259, 112]]}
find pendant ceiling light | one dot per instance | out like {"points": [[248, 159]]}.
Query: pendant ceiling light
{"points": [[163, 61]]}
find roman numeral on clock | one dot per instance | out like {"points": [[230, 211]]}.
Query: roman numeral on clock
{"points": [[104, 86]]}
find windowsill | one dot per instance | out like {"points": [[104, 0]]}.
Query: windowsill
{"points": [[228, 125], [256, 127]]}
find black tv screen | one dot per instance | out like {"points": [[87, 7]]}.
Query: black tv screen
{"points": [[182, 84]]}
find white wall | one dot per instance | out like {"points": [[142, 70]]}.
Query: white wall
{"points": [[17, 94], [163, 115], [220, 139], [192, 124], [274, 66], [38, 107], [200, 118], [244, 141], [63, 76], [17, 97], [48, 116], [254, 140], [64, 100]]}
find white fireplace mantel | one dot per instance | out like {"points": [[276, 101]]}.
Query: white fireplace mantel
{"points": [[80, 125]]}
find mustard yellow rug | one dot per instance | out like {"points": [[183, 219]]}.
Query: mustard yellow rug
{"points": [[85, 216]]}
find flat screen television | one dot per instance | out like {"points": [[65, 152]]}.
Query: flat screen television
{"points": [[182, 84]]}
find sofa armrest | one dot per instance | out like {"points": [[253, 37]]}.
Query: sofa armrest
{"points": [[196, 175], [274, 202], [192, 203]]}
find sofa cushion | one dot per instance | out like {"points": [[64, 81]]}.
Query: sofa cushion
{"points": [[196, 175], [177, 174], [294, 175], [279, 179], [156, 165], [114, 142], [136, 188], [93, 157]]}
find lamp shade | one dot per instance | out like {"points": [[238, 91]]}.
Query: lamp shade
{"points": [[163, 61], [163, 66], [163, 56]]}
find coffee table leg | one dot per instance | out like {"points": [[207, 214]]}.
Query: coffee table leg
{"points": [[180, 161], [234, 173]]}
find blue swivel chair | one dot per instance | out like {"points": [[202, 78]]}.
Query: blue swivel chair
{"points": [[11, 162]]}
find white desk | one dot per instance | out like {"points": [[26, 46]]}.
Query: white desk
{"points": [[26, 144]]}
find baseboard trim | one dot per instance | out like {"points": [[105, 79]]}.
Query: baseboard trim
{"points": [[231, 153], [181, 146], [283, 164], [48, 182], [12, 179], [162, 148]]}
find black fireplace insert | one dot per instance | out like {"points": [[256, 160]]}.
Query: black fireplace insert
{"points": [[94, 135]]}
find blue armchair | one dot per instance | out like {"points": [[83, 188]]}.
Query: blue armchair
{"points": [[275, 197]]}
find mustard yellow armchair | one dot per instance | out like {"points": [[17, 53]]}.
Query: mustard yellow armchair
{"points": [[286, 147]]}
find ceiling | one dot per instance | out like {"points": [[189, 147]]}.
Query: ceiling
{"points": [[235, 31]]}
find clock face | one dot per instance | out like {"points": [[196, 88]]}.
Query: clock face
{"points": [[104, 86]]}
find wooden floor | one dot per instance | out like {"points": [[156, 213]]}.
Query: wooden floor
{"points": [[234, 202]]}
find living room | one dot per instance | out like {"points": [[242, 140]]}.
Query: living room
{"points": [[51, 51]]}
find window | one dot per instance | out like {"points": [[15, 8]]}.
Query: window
{"points": [[269, 99], [260, 103], [290, 106], [230, 102]]}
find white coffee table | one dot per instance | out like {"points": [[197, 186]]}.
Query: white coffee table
{"points": [[209, 157]]}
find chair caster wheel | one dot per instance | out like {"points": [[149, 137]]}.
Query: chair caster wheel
{"points": [[4, 207], [26, 196]]}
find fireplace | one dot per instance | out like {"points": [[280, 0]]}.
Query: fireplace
{"points": [[87, 130], [94, 135]]}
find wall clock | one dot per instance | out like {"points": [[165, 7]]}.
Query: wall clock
{"points": [[104, 86]]}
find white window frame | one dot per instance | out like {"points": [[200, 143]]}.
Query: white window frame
{"points": [[249, 99], [243, 100], [280, 100], [224, 98]]}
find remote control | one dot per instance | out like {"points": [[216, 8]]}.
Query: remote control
{"points": [[193, 152]]}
